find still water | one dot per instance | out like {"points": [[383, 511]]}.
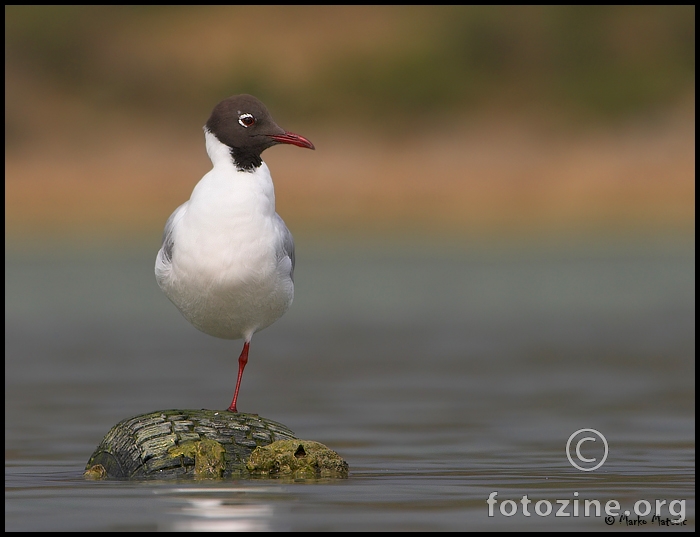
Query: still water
{"points": [[442, 375]]}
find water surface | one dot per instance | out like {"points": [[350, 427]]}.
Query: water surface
{"points": [[441, 375]]}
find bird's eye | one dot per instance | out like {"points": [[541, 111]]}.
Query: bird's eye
{"points": [[246, 120]]}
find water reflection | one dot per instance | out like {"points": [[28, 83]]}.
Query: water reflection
{"points": [[218, 509]]}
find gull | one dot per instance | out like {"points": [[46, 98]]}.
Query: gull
{"points": [[227, 258]]}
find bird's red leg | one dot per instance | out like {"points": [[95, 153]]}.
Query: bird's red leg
{"points": [[242, 361]]}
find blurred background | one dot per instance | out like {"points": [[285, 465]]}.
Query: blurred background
{"points": [[495, 248], [468, 121]]}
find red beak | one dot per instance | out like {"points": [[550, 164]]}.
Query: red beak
{"points": [[293, 139]]}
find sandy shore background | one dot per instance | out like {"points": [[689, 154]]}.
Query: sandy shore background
{"points": [[104, 108]]}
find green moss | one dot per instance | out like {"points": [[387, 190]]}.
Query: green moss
{"points": [[298, 459], [209, 457]]}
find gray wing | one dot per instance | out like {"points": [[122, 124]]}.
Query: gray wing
{"points": [[287, 244], [165, 255]]}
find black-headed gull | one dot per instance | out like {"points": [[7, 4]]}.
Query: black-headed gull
{"points": [[227, 259]]}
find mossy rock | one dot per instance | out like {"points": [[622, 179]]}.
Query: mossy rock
{"points": [[297, 459], [183, 443]]}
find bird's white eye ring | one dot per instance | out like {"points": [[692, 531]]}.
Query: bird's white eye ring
{"points": [[246, 120]]}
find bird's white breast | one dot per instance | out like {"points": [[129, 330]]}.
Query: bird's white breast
{"points": [[226, 275]]}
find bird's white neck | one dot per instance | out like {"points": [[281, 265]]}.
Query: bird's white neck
{"points": [[219, 153], [226, 188]]}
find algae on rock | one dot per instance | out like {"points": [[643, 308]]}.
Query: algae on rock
{"points": [[297, 459]]}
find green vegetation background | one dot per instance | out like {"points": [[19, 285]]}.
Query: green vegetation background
{"points": [[600, 62]]}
